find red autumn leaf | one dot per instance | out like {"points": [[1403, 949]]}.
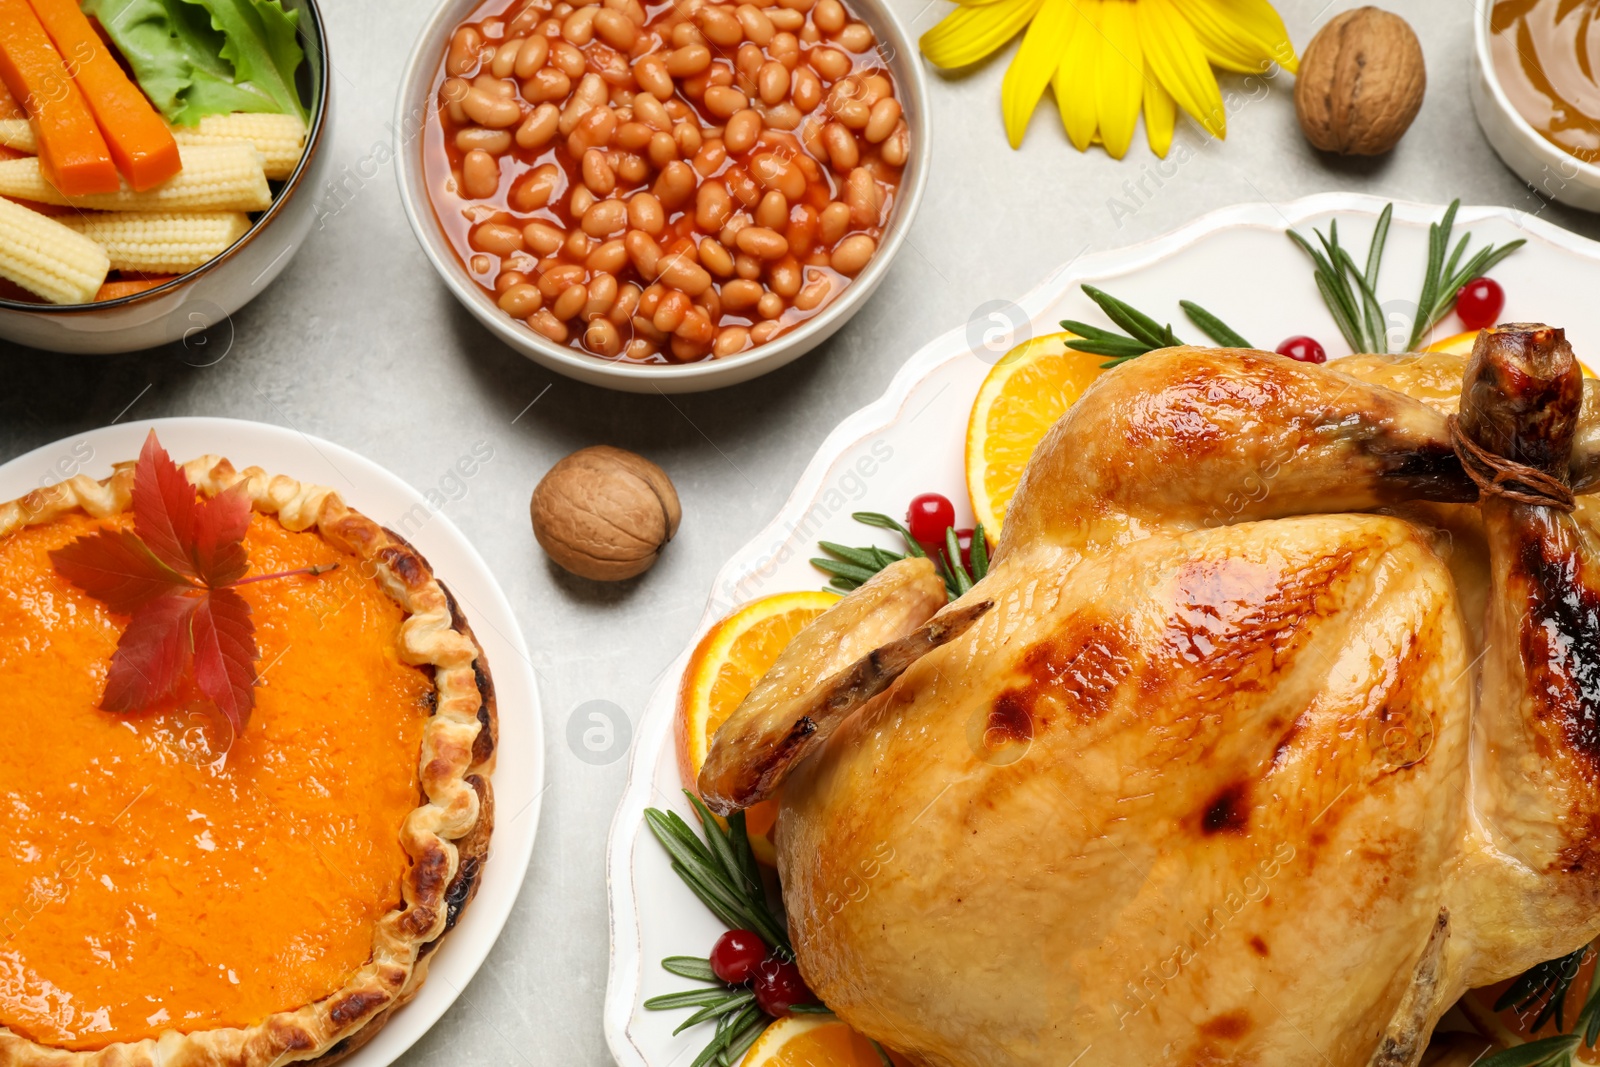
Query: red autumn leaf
{"points": [[172, 574], [225, 654], [152, 655]]}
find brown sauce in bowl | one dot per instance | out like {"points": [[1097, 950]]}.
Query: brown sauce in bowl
{"points": [[1547, 55]]}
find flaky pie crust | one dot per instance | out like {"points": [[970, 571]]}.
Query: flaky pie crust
{"points": [[447, 837]]}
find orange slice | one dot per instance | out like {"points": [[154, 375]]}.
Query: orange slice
{"points": [[726, 664], [812, 1041], [1026, 392], [1459, 345]]}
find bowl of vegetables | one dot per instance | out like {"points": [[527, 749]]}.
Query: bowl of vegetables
{"points": [[157, 162]]}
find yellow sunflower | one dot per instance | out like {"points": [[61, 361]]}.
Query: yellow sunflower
{"points": [[1107, 59]]}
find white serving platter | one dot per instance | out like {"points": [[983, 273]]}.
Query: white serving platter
{"points": [[519, 775]]}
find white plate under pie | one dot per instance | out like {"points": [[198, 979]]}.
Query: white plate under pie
{"points": [[367, 487], [1239, 264]]}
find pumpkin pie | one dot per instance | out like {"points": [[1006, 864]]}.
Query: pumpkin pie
{"points": [[171, 894]]}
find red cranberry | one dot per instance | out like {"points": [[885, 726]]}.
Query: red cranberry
{"points": [[778, 986], [1479, 303], [930, 515], [1305, 349], [736, 955]]}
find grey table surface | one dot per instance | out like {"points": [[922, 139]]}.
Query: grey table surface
{"points": [[360, 343]]}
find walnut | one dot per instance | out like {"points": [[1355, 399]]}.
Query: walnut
{"points": [[1361, 83], [604, 513]]}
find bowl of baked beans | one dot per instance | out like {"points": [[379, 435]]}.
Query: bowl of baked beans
{"points": [[662, 196]]}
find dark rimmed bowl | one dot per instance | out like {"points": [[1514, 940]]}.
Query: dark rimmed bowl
{"points": [[206, 296]]}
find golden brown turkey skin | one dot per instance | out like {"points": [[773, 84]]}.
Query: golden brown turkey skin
{"points": [[1236, 769]]}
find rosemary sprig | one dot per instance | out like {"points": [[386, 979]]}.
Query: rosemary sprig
{"points": [[1350, 292], [1444, 280], [851, 567], [1141, 332], [1550, 979]]}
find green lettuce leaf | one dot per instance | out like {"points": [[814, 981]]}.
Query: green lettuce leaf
{"points": [[207, 57]]}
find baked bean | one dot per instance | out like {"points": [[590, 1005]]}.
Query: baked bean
{"points": [[715, 258], [651, 74], [773, 211], [537, 188], [774, 171], [633, 135], [558, 279], [577, 245], [648, 110], [747, 267], [530, 57], [801, 6], [487, 109], [650, 299], [696, 328], [742, 186], [717, 74], [670, 311], [480, 174], [712, 206], [549, 325], [748, 62], [602, 294], [520, 301], [773, 82], [829, 16], [465, 44], [770, 306], [590, 94], [811, 296], [539, 127], [547, 83], [508, 278], [687, 136], [543, 238], [525, 21], [811, 137], [897, 149], [757, 26], [662, 149], [731, 340], [805, 89], [580, 201], [762, 332], [762, 242], [835, 222], [862, 196], [785, 50], [644, 252], [710, 303], [784, 277], [627, 303], [685, 351], [497, 238], [843, 152], [494, 142], [567, 59], [786, 21], [674, 185], [809, 34], [740, 294], [712, 155], [645, 213], [594, 130], [875, 87], [719, 25], [616, 29], [686, 33], [724, 102], [639, 349], [597, 173], [801, 233], [601, 337], [605, 218], [681, 272], [856, 37], [451, 94], [569, 303], [831, 63], [885, 117], [742, 130], [854, 114], [688, 61], [809, 168], [505, 58], [853, 253], [608, 257], [578, 27]]}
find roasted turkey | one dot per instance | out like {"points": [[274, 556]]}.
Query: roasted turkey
{"points": [[1274, 727]]}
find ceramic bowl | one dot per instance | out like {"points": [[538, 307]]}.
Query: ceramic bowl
{"points": [[414, 106], [1552, 172], [190, 304]]}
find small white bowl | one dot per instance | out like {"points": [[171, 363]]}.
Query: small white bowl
{"points": [[413, 107], [194, 302], [1554, 173]]}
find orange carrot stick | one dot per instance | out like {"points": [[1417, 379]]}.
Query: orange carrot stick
{"points": [[141, 144], [72, 154], [129, 286]]}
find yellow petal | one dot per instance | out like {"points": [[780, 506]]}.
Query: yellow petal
{"points": [[1119, 79], [1074, 78], [1036, 59], [1242, 35], [971, 32], [1160, 114], [1174, 53]]}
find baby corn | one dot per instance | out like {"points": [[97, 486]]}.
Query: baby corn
{"points": [[18, 134], [161, 242], [47, 258], [214, 178], [281, 139]]}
